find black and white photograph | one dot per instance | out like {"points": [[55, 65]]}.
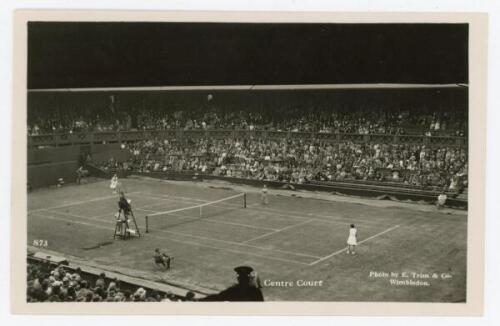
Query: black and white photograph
{"points": [[236, 161]]}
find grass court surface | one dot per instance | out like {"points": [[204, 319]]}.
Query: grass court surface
{"points": [[296, 243]]}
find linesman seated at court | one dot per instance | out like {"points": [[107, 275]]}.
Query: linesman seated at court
{"points": [[441, 200], [162, 259], [81, 174]]}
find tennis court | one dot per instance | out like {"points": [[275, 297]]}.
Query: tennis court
{"points": [[296, 243]]}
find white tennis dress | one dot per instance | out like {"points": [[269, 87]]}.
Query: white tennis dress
{"points": [[114, 183], [352, 241]]}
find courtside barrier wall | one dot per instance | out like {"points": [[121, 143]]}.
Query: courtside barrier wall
{"points": [[47, 164], [44, 175]]}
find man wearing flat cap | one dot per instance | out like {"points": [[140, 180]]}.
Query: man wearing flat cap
{"points": [[244, 290]]}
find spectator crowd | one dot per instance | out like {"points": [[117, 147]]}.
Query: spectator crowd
{"points": [[359, 120], [49, 283], [304, 160]]}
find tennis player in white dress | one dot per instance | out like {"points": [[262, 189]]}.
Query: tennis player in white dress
{"points": [[352, 240], [114, 184]]}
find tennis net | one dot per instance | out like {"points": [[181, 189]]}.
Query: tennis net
{"points": [[179, 216]]}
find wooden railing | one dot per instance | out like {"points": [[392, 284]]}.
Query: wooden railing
{"points": [[127, 136]]}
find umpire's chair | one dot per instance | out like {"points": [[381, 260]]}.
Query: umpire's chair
{"points": [[122, 227]]}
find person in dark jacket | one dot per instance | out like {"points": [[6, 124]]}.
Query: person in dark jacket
{"points": [[124, 210], [162, 259], [244, 290], [124, 204]]}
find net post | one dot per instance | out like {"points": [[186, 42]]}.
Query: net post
{"points": [[147, 224], [201, 215], [244, 200]]}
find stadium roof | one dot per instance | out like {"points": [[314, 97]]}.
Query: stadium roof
{"points": [[125, 54], [254, 87]]}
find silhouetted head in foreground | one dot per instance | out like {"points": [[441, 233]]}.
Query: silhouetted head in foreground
{"points": [[243, 291], [244, 274]]}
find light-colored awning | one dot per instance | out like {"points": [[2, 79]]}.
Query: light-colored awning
{"points": [[253, 87]]}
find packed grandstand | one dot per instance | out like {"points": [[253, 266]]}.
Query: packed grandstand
{"points": [[302, 161], [301, 150]]}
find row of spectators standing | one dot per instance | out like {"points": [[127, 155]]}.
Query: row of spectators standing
{"points": [[301, 161]]}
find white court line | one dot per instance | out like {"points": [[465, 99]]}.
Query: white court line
{"points": [[175, 240], [112, 214], [95, 217], [153, 205], [344, 249], [78, 202], [277, 231], [210, 221], [70, 214], [295, 216], [168, 197], [145, 210], [318, 217]]}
